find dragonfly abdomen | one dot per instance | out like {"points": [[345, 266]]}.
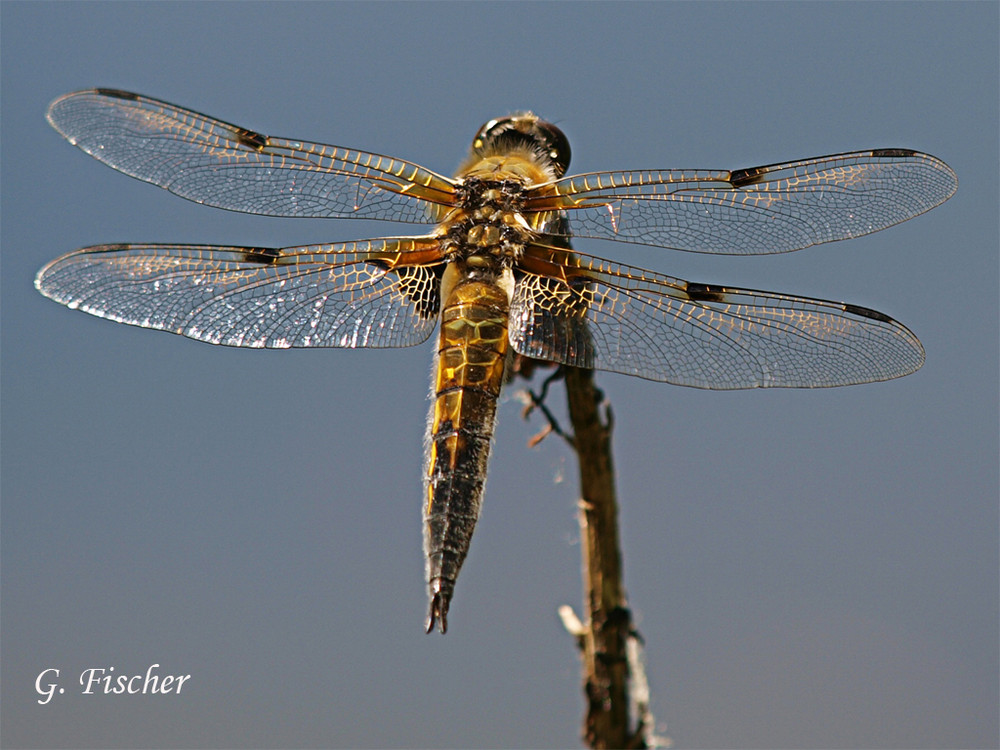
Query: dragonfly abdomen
{"points": [[471, 360]]}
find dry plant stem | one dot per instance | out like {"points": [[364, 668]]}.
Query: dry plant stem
{"points": [[609, 622]]}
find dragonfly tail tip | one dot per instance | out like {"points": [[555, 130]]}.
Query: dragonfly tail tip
{"points": [[439, 613]]}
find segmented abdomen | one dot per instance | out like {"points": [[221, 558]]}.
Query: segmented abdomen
{"points": [[472, 353]]}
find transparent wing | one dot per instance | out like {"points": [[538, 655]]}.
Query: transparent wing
{"points": [[588, 312], [769, 209], [375, 293], [212, 162]]}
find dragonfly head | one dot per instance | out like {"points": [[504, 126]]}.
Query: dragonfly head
{"points": [[524, 130]]}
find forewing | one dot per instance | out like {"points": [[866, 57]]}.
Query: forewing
{"points": [[588, 312], [213, 162], [375, 293], [770, 209]]}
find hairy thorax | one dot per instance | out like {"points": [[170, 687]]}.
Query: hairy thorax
{"points": [[489, 228]]}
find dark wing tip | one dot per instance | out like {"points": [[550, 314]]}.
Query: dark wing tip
{"points": [[895, 152], [117, 94], [109, 93], [865, 312]]}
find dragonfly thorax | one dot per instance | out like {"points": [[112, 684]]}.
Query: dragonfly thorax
{"points": [[489, 223]]}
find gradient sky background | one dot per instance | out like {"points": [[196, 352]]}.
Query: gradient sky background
{"points": [[808, 568]]}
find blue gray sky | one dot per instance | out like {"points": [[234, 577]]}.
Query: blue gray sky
{"points": [[808, 568]]}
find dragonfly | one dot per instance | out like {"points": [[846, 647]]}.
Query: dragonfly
{"points": [[495, 273]]}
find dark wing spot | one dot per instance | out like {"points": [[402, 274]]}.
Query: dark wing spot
{"points": [[893, 152], [251, 139], [118, 94], [425, 297], [864, 312], [412, 284], [429, 305], [264, 255], [742, 177], [705, 292]]}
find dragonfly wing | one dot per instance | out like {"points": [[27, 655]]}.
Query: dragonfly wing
{"points": [[588, 312], [375, 293], [213, 162], [770, 209]]}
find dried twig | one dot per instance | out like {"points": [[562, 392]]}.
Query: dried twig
{"points": [[609, 646], [609, 621]]}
